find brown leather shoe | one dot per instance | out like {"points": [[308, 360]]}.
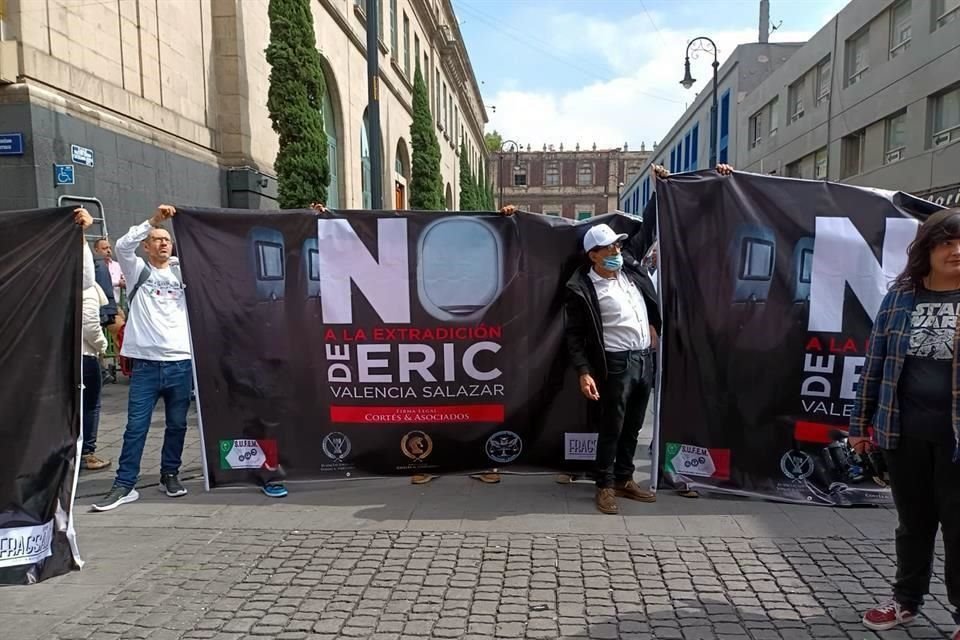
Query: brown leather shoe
{"points": [[629, 489], [607, 501], [93, 462]]}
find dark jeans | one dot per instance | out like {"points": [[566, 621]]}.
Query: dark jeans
{"points": [[151, 380], [92, 385], [619, 414], [926, 491]]}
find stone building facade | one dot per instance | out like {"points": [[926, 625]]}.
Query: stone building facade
{"points": [[576, 184], [156, 100]]}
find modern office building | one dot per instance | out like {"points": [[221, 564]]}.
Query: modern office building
{"points": [[686, 147], [573, 183], [872, 99], [150, 102]]}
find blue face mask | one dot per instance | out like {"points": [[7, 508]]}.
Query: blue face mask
{"points": [[613, 263]]}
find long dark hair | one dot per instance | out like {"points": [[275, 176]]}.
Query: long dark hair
{"points": [[941, 226]]}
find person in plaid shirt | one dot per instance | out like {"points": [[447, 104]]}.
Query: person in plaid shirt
{"points": [[908, 393]]}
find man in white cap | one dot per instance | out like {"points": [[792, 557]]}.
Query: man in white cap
{"points": [[612, 323]]}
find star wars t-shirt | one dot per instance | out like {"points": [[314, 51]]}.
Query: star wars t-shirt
{"points": [[926, 383]]}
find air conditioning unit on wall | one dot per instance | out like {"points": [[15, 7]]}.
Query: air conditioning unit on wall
{"points": [[447, 34], [941, 139]]}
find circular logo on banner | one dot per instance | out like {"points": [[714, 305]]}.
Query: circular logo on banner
{"points": [[416, 445], [796, 465], [504, 447], [336, 445]]}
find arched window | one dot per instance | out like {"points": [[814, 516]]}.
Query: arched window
{"points": [[330, 128], [401, 178]]}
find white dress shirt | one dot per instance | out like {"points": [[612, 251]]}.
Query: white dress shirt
{"points": [[623, 313]]}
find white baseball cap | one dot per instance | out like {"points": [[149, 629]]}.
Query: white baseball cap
{"points": [[601, 235]]}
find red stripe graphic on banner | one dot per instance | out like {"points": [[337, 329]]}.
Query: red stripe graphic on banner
{"points": [[814, 432], [419, 415], [819, 433]]}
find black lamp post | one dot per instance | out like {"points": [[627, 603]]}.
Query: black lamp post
{"points": [[503, 146], [619, 187], [688, 81], [373, 107]]}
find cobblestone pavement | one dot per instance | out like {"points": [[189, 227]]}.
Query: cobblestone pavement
{"points": [[230, 585], [385, 560]]}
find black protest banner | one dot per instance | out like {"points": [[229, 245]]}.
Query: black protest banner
{"points": [[383, 342], [40, 289], [769, 288]]}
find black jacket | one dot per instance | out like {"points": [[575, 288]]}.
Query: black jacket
{"points": [[582, 325]]}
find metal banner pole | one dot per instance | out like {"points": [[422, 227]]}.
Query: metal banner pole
{"points": [[655, 458]]}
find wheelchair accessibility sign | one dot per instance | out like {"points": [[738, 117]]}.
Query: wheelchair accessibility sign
{"points": [[63, 174]]}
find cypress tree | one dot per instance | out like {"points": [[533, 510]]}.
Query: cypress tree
{"points": [[426, 184], [478, 198], [295, 100], [468, 193], [484, 193], [490, 198], [481, 190]]}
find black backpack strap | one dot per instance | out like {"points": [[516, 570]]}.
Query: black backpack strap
{"points": [[144, 276], [175, 269]]}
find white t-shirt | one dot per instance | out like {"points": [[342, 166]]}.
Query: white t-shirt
{"points": [[156, 326], [623, 313]]}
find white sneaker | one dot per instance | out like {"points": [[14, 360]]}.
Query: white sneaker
{"points": [[118, 495]]}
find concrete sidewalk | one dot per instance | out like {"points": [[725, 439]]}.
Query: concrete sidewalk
{"points": [[528, 558]]}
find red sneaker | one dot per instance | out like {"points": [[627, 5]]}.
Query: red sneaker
{"points": [[888, 616]]}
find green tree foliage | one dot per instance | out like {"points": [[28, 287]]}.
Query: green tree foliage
{"points": [[479, 199], [493, 140], [426, 184], [295, 101], [485, 190], [468, 189]]}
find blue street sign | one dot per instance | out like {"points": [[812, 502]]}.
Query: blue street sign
{"points": [[11, 144], [62, 174], [81, 155]]}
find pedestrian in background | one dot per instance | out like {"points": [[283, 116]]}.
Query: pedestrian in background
{"points": [[94, 344], [909, 393], [113, 313], [105, 252]]}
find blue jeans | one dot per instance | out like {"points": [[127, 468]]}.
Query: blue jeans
{"points": [[151, 380], [92, 384]]}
